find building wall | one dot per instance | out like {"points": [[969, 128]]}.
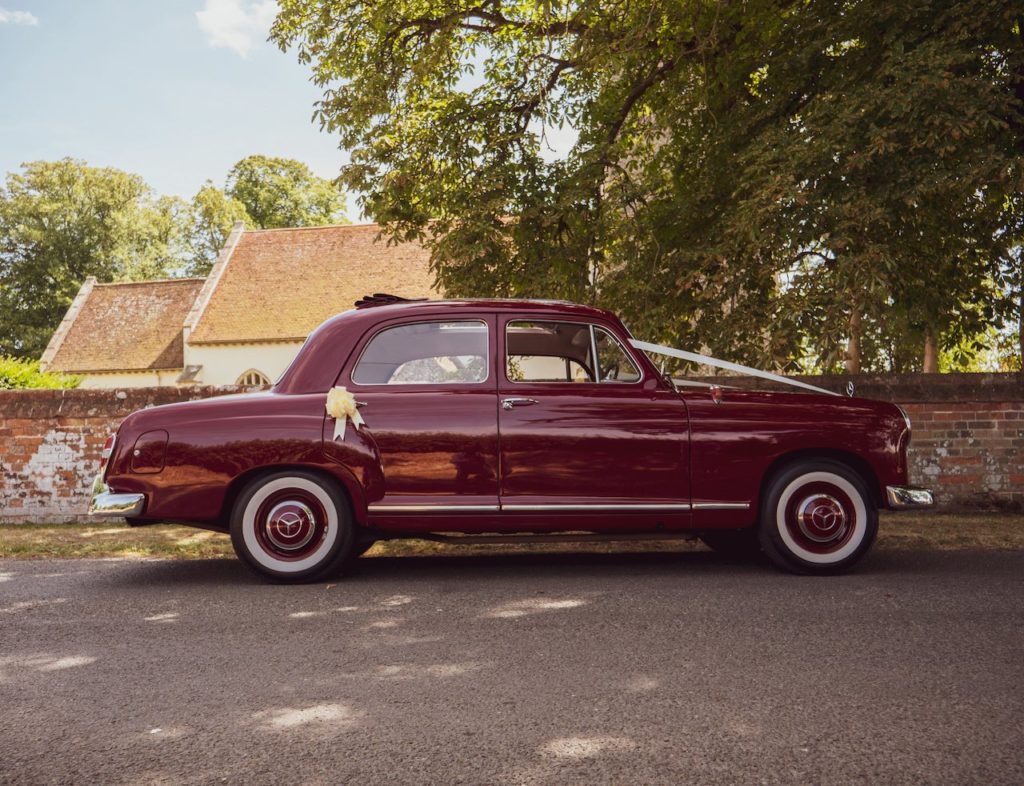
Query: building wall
{"points": [[131, 379], [223, 364], [968, 440]]}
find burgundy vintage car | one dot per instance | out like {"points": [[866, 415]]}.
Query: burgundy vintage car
{"points": [[506, 419]]}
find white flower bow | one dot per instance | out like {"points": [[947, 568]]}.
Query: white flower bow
{"points": [[341, 405]]}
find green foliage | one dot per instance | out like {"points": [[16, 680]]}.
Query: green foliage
{"points": [[213, 214], [751, 178], [283, 192], [62, 221], [19, 374]]}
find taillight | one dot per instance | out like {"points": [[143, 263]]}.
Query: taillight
{"points": [[108, 449]]}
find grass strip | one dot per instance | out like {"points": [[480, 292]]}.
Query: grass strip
{"points": [[913, 531]]}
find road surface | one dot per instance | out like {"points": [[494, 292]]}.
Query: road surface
{"points": [[659, 668]]}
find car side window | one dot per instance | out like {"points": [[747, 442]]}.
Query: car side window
{"points": [[614, 363], [425, 353], [565, 352]]}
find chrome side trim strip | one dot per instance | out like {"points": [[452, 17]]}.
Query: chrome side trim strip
{"points": [[563, 508], [433, 508], [596, 508]]}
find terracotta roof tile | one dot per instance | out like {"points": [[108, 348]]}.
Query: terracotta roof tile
{"points": [[129, 327], [279, 284]]}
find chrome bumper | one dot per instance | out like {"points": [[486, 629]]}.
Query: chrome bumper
{"points": [[108, 503], [903, 497]]}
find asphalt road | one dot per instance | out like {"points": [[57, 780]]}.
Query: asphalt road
{"points": [[520, 669]]}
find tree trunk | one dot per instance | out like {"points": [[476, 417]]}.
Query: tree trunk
{"points": [[931, 352], [853, 343]]}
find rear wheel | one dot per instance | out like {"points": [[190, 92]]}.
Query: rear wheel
{"points": [[817, 517], [292, 526]]}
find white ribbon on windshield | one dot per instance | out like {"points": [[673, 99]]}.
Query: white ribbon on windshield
{"points": [[693, 357]]}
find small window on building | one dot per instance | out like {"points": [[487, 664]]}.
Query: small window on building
{"points": [[252, 378]]}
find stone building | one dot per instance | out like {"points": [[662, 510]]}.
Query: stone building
{"points": [[244, 322]]}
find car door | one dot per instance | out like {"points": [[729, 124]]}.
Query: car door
{"points": [[585, 426], [428, 396]]}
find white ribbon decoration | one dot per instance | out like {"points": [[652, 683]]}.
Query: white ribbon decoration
{"points": [[682, 354], [342, 405]]}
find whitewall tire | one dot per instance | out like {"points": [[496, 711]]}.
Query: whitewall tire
{"points": [[292, 526], [817, 517]]}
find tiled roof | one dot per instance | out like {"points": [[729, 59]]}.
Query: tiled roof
{"points": [[132, 326], [279, 284]]}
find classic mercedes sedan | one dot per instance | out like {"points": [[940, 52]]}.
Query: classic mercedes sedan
{"points": [[500, 419]]}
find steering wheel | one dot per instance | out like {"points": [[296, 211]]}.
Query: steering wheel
{"points": [[611, 371]]}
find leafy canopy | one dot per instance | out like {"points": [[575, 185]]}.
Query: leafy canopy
{"points": [[213, 214], [283, 192], [764, 179], [61, 221]]}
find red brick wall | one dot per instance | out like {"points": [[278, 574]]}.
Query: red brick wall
{"points": [[50, 444], [971, 452], [968, 441]]}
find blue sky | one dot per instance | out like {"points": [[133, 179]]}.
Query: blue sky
{"points": [[151, 87]]}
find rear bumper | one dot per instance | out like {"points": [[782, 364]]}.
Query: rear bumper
{"points": [[105, 502], [904, 497]]}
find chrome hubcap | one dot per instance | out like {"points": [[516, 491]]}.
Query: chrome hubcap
{"points": [[290, 525], [821, 518]]}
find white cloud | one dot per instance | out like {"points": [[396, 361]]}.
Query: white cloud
{"points": [[235, 24], [17, 18]]}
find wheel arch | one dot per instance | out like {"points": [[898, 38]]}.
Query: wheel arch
{"points": [[337, 476], [852, 461]]}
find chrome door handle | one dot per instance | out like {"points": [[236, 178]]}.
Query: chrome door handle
{"points": [[360, 404], [508, 403]]}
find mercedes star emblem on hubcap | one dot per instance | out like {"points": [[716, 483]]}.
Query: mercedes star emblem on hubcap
{"points": [[290, 525], [821, 518]]}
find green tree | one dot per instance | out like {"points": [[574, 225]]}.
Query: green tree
{"points": [[282, 192], [19, 374], [61, 221], [213, 214], [766, 179]]}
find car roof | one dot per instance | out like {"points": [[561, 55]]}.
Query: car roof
{"points": [[315, 367], [486, 304]]}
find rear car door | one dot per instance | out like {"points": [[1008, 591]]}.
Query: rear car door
{"points": [[428, 397]]}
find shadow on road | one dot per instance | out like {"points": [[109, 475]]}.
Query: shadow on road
{"points": [[530, 566]]}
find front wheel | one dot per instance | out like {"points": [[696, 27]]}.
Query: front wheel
{"points": [[817, 517], [292, 526]]}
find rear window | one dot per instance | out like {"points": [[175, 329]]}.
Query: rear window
{"points": [[425, 353]]}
